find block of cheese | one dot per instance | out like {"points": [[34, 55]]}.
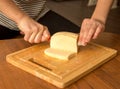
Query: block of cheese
{"points": [[63, 45]]}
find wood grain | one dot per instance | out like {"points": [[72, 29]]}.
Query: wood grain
{"points": [[105, 77], [58, 72]]}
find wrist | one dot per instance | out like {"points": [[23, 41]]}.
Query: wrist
{"points": [[20, 17], [99, 19]]}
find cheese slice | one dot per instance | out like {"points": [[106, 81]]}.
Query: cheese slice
{"points": [[63, 45], [59, 54]]}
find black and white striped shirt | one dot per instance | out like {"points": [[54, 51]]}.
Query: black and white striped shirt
{"points": [[34, 8]]}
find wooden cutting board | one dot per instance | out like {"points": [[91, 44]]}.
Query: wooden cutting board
{"points": [[58, 72]]}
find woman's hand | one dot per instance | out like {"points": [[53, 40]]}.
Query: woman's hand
{"points": [[90, 29], [33, 31]]}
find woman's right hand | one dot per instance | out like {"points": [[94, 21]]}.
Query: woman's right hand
{"points": [[33, 31]]}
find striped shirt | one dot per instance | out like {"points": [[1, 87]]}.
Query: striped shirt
{"points": [[34, 8]]}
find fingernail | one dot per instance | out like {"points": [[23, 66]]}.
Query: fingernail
{"points": [[48, 39], [84, 44], [79, 43]]}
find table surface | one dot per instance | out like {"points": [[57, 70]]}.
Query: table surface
{"points": [[106, 76]]}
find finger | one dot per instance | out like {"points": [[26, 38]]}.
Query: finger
{"points": [[98, 31], [86, 29], [32, 37], [84, 43], [81, 35], [45, 37], [27, 36], [46, 34], [39, 35], [91, 33]]}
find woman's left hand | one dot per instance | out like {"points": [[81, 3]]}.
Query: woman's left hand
{"points": [[90, 29]]}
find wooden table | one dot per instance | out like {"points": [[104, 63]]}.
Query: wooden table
{"points": [[105, 77]]}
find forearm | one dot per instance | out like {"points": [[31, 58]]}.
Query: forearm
{"points": [[11, 10], [102, 10]]}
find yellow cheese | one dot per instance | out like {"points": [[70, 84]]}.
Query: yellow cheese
{"points": [[59, 54], [63, 45]]}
